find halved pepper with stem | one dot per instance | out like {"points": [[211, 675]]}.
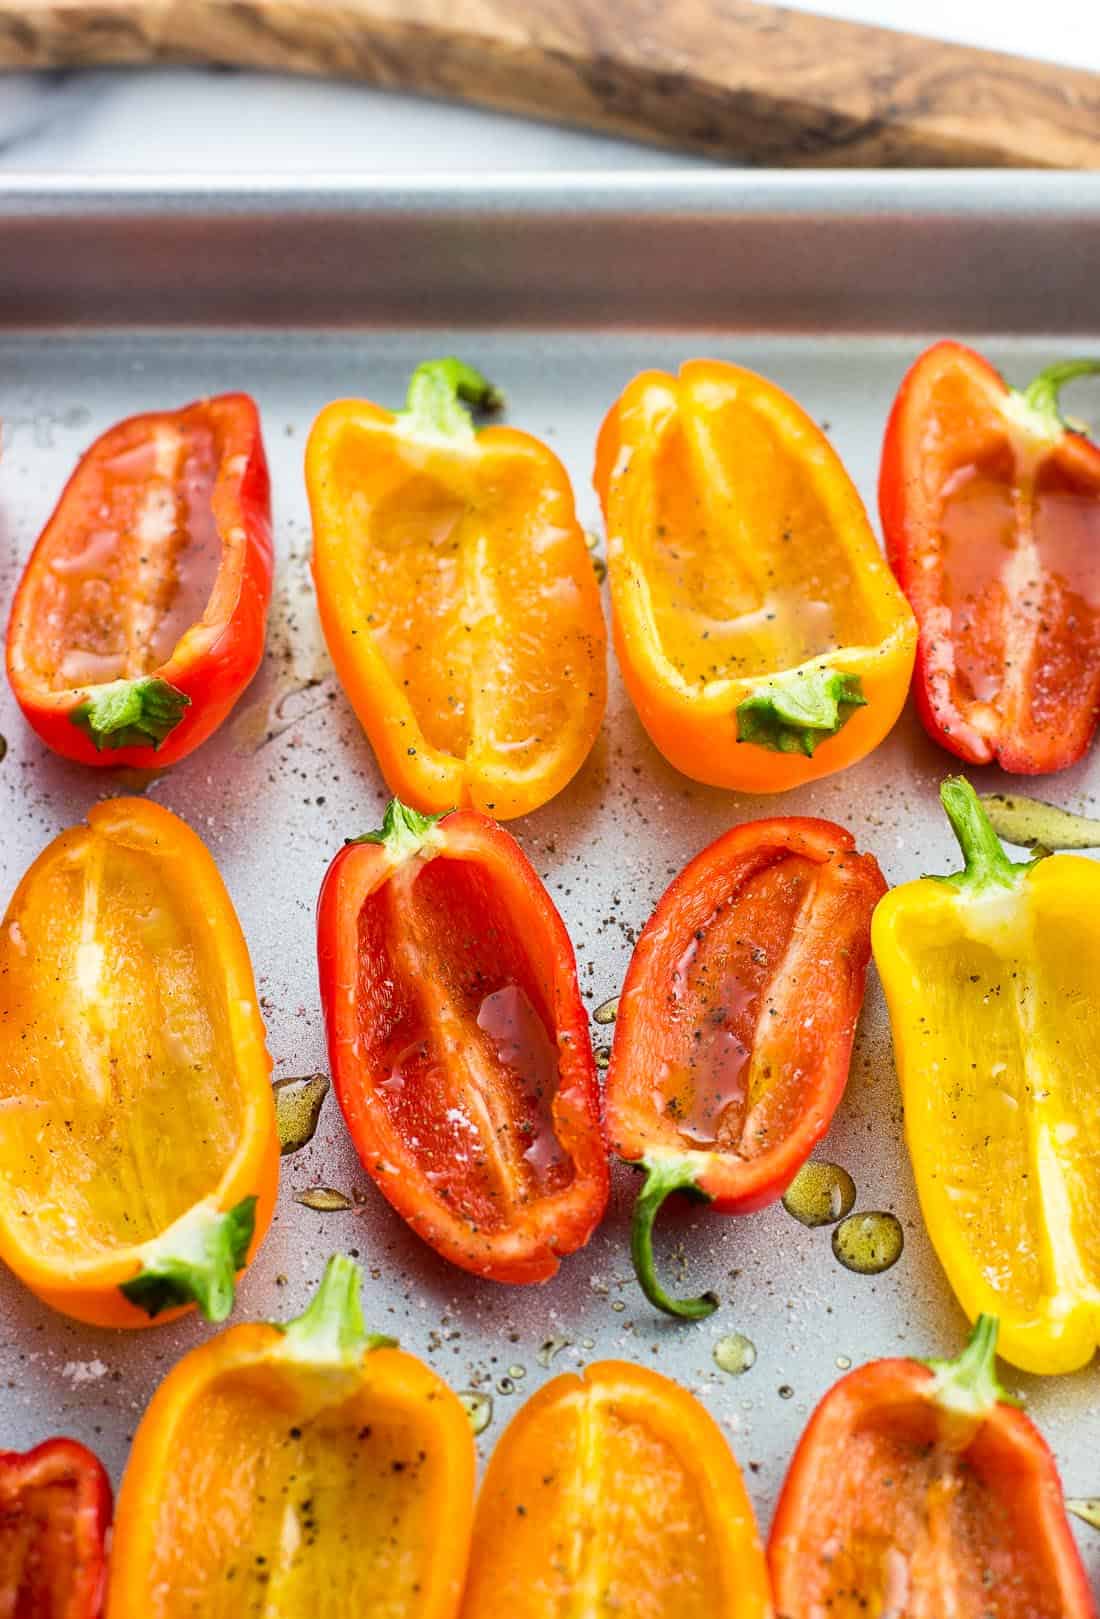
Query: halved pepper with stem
{"points": [[459, 1045], [55, 1512], [991, 511], [761, 636], [735, 1025], [457, 596], [139, 1157], [919, 1490], [300, 1469], [992, 977], [615, 1492], [140, 616]]}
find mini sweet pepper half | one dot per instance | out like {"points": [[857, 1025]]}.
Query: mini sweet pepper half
{"points": [[992, 977], [140, 616], [457, 596], [615, 1492], [919, 1489], [297, 1470], [736, 1020], [139, 1156], [459, 1044], [55, 1512], [761, 636], [991, 511]]}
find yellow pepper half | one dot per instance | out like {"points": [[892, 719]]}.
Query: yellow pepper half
{"points": [[993, 982]]}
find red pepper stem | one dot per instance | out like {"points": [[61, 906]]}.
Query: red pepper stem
{"points": [[664, 1175], [968, 1384], [1042, 393]]}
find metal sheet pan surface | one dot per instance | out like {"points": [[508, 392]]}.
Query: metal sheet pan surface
{"points": [[290, 775]]}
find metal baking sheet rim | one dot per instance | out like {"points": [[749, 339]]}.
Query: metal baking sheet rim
{"points": [[113, 297]]}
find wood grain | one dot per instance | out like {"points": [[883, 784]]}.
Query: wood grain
{"points": [[726, 77]]}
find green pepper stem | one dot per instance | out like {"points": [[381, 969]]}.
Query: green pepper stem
{"points": [[195, 1261], [434, 401], [1041, 395], [331, 1330], [968, 1384], [986, 864], [404, 831], [664, 1175]]}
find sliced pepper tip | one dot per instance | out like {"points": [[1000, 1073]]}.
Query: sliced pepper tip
{"points": [[439, 391], [665, 1174], [404, 831], [1042, 394], [985, 864], [195, 1261]]}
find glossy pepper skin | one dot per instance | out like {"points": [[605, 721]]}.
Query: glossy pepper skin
{"points": [[459, 1044], [297, 1469], [735, 1025], [55, 1511], [614, 1492], [992, 977], [761, 636], [991, 511], [139, 1157], [917, 1490], [457, 596], [140, 616]]}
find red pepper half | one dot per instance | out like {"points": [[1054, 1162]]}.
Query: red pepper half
{"points": [[459, 1045], [991, 512], [140, 615], [736, 1020], [55, 1509], [917, 1490]]}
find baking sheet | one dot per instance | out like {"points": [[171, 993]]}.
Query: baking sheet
{"points": [[290, 774]]}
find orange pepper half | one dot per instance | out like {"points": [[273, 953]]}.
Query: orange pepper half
{"points": [[139, 1157], [297, 1470], [457, 597], [762, 637], [615, 1493]]}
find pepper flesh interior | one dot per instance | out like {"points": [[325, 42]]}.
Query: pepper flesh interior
{"points": [[1019, 542], [747, 981], [597, 1513], [42, 1546], [452, 1010], [135, 566], [463, 561], [1009, 1018], [906, 1524], [283, 1500], [748, 574], [118, 1084]]}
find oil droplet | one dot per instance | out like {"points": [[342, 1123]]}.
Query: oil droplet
{"points": [[297, 1109], [552, 1347], [478, 1407], [844, 1363], [505, 1385], [869, 1243], [588, 1343], [602, 1055], [618, 1306], [3, 746], [517, 1372], [735, 1353], [591, 538], [607, 1011], [786, 1392], [523, 1046], [820, 1194], [1087, 1508], [1031, 823], [599, 568], [325, 1199]]}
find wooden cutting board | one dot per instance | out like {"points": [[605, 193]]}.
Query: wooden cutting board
{"points": [[727, 77]]}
